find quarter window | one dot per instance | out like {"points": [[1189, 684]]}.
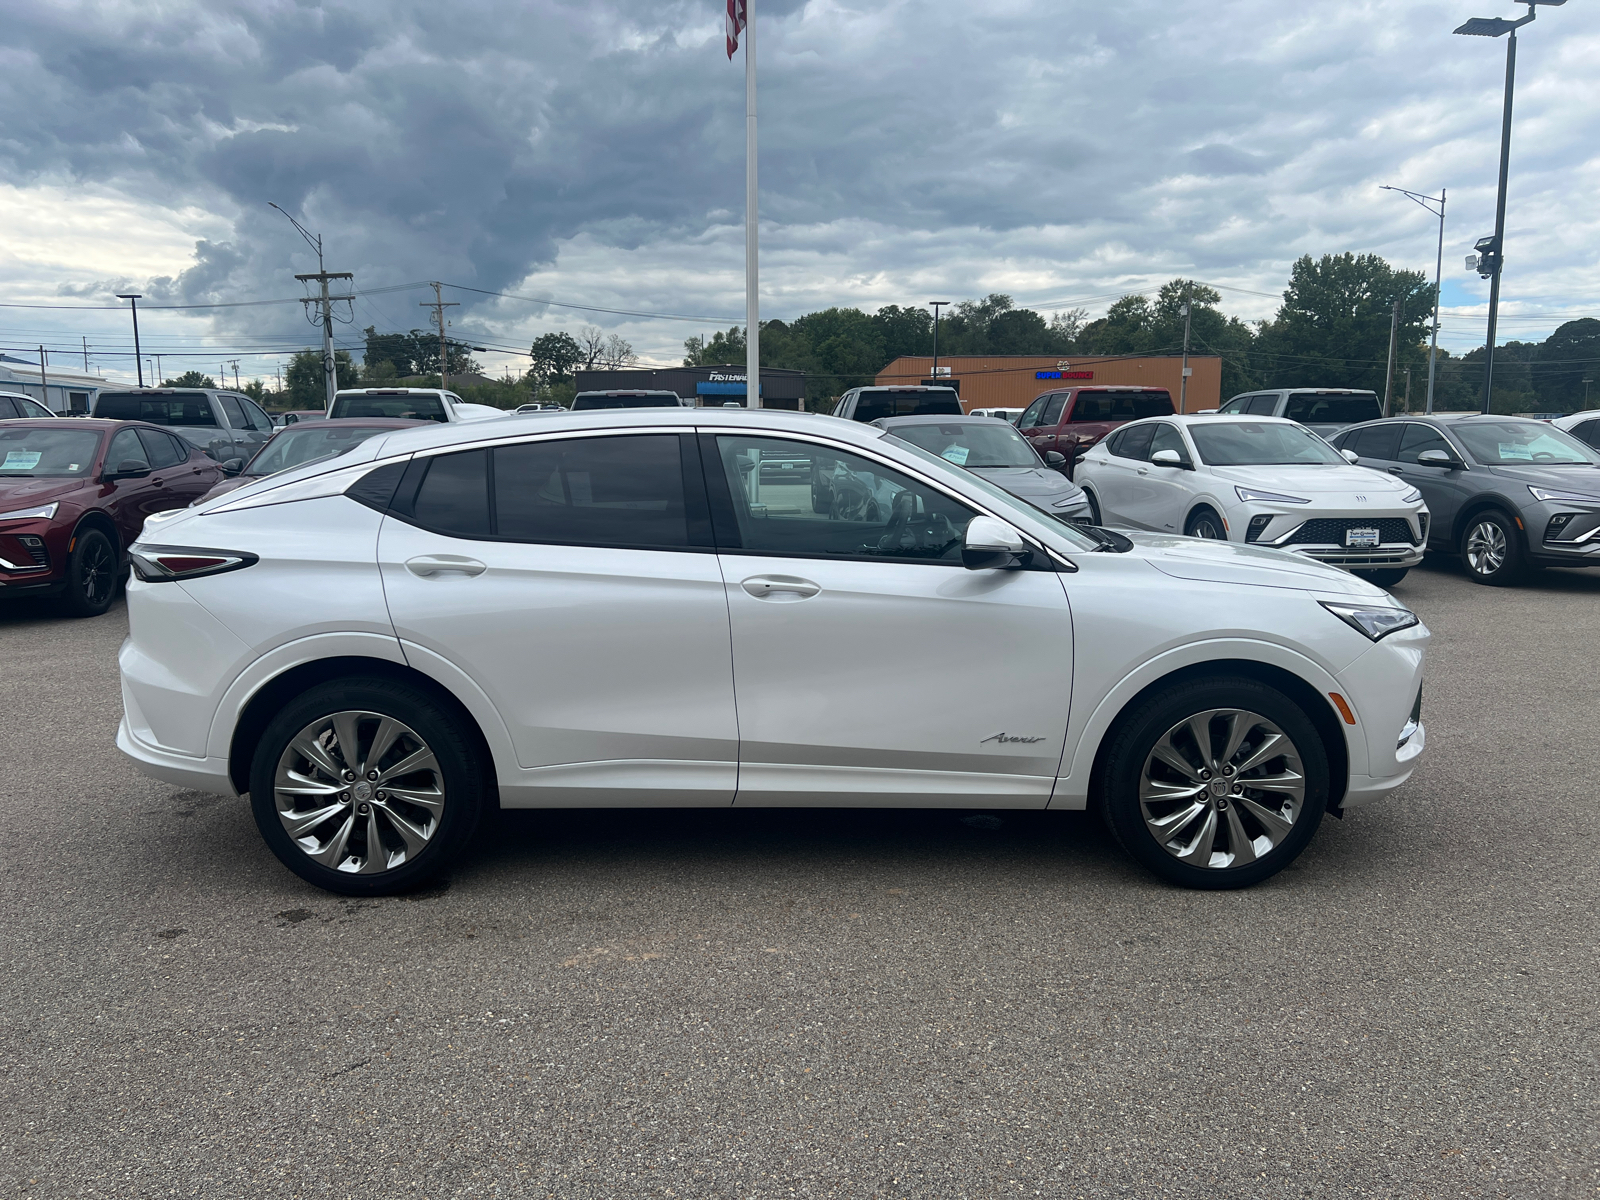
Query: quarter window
{"points": [[800, 500]]}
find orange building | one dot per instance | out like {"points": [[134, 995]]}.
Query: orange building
{"points": [[1011, 381]]}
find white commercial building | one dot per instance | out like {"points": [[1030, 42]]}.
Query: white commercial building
{"points": [[59, 391]]}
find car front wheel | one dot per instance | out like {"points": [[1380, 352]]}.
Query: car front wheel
{"points": [[91, 574], [1491, 550], [1206, 524], [1215, 783], [367, 787]]}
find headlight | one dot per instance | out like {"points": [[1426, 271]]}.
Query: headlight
{"points": [[1250, 494], [44, 511], [1539, 493], [1376, 621], [1411, 497]]}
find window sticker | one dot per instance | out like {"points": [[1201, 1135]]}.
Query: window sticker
{"points": [[956, 454], [21, 460], [1516, 450]]}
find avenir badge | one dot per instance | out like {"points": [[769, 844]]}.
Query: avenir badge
{"points": [[1009, 737]]}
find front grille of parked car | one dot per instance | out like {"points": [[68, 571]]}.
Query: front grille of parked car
{"points": [[1330, 531]]}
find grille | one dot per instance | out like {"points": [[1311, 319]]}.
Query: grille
{"points": [[1324, 531]]}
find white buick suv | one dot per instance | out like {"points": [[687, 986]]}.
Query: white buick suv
{"points": [[623, 609]]}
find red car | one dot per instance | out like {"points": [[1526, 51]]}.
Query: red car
{"points": [[296, 445], [1072, 420], [74, 494]]}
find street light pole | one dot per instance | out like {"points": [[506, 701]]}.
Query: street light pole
{"points": [[1494, 27], [1183, 380], [133, 299], [936, 305], [1428, 202]]}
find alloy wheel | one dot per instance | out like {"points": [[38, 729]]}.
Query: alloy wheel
{"points": [[1205, 526], [1222, 788], [95, 572], [359, 792], [1486, 547]]}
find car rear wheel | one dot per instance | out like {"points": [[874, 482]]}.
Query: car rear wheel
{"points": [[1203, 523], [1491, 549], [91, 574], [367, 787], [1216, 783], [1384, 579]]}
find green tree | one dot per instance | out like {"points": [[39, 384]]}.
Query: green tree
{"points": [[555, 356], [1564, 360], [303, 379], [724, 349], [190, 379], [1332, 329]]}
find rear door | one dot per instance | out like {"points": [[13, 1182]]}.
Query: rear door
{"points": [[246, 439], [1159, 497], [870, 667], [1120, 479], [573, 579], [131, 500]]}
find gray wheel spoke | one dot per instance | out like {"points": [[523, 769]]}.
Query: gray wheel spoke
{"points": [[1239, 842], [1200, 730], [292, 783], [298, 823], [310, 748], [1156, 789], [1271, 746], [417, 760], [1198, 852], [1285, 781], [1167, 826], [1238, 729], [332, 852], [347, 729], [414, 836], [1276, 825], [377, 859], [1168, 754], [432, 801], [389, 731]]}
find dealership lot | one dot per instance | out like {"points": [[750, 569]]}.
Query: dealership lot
{"points": [[818, 1003]]}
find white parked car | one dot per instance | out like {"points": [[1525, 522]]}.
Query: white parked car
{"points": [[623, 609], [1585, 426], [417, 404], [1264, 481]]}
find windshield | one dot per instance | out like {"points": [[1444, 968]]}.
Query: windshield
{"points": [[1001, 500], [50, 452], [178, 408], [295, 447], [425, 406], [583, 403], [1259, 444], [1519, 443], [969, 444], [871, 405], [1318, 408]]}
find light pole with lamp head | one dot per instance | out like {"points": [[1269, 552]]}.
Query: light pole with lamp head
{"points": [[1491, 256], [936, 305], [133, 299], [1428, 202]]}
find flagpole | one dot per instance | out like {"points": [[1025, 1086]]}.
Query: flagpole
{"points": [[752, 303]]}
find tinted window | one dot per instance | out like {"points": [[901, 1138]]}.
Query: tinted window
{"points": [[1417, 438], [1167, 437], [161, 450], [1261, 406], [235, 413], [424, 407], [1135, 443], [1236, 405], [1376, 441], [181, 408], [1321, 409], [454, 496], [583, 403], [259, 420], [7, 409], [126, 450], [1260, 443], [871, 405], [1052, 410], [297, 445], [1588, 431], [1121, 406], [844, 506], [607, 491]]}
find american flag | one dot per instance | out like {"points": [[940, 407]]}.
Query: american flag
{"points": [[736, 24]]}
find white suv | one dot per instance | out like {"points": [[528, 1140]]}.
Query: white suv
{"points": [[619, 609], [417, 404]]}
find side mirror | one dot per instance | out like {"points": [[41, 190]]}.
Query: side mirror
{"points": [[233, 466], [1054, 458], [1167, 458], [1437, 458], [1351, 457], [128, 468], [990, 544]]}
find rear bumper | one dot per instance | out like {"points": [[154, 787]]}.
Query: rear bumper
{"points": [[180, 770]]}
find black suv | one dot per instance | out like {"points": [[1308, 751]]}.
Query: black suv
{"points": [[875, 403]]}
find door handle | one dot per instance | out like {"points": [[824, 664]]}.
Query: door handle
{"points": [[1144, 470], [762, 586], [1396, 471], [426, 566]]}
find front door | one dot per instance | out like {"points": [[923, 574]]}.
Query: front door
{"points": [[870, 667], [1443, 489], [574, 581]]}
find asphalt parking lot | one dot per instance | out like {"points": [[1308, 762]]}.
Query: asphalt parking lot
{"points": [[821, 1003]]}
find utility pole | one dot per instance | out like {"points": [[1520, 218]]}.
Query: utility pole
{"points": [[936, 305], [1394, 332], [1408, 390], [235, 365], [330, 372], [85, 356], [133, 299], [158, 370], [44, 382], [439, 305], [1183, 382]]}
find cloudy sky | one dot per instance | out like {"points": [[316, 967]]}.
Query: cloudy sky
{"points": [[592, 153]]}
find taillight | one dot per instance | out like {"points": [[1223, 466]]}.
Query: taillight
{"points": [[162, 564]]}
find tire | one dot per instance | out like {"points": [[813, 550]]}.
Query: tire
{"points": [[1204, 523], [422, 826], [1384, 579], [92, 575], [1094, 508], [1175, 822], [1491, 549]]}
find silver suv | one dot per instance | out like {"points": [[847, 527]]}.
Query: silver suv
{"points": [[1324, 411]]}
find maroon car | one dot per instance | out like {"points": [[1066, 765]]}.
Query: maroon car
{"points": [[74, 494], [1072, 420], [296, 445]]}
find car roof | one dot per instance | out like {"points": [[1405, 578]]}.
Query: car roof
{"points": [[357, 423], [936, 419], [1213, 419], [73, 423]]}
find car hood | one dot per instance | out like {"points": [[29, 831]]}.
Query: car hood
{"points": [[1230, 562], [1584, 480], [1028, 481], [30, 493], [1313, 481]]}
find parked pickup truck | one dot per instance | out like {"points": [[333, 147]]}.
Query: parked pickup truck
{"points": [[415, 404], [1074, 420], [225, 424]]}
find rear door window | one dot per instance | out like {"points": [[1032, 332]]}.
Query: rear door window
{"points": [[1135, 443], [1091, 406], [234, 411], [1377, 441], [605, 491], [1261, 406], [454, 496], [161, 450]]}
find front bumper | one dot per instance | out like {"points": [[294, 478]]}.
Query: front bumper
{"points": [[1382, 557]]}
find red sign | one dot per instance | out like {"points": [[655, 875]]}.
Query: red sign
{"points": [[1077, 374]]}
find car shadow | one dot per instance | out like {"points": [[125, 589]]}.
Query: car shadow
{"points": [[1576, 580]]}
